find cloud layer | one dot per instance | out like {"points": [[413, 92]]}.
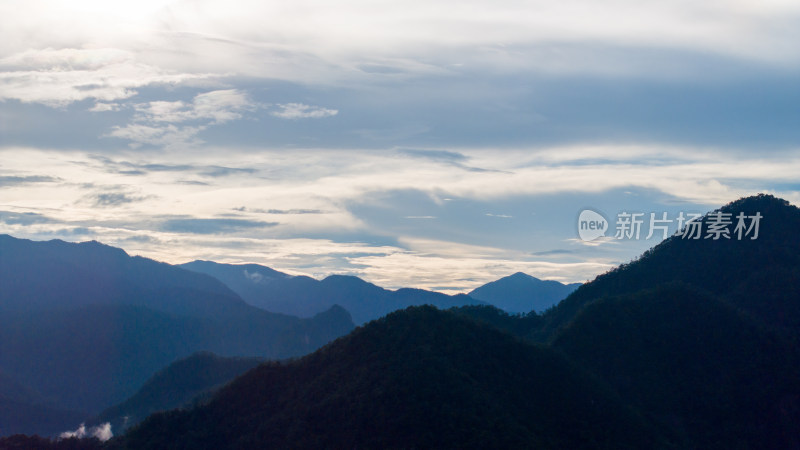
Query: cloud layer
{"points": [[393, 218]]}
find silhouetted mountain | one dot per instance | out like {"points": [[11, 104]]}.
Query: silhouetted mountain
{"points": [[304, 296], [25, 442], [697, 368], [520, 325], [699, 335], [696, 344], [85, 324], [176, 386], [520, 293], [758, 275], [418, 378]]}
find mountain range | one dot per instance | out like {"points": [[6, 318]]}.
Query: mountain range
{"points": [[695, 344], [304, 296], [685, 347], [83, 326], [106, 322]]}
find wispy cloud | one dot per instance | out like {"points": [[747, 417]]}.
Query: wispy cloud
{"points": [[123, 167], [15, 180], [23, 218], [447, 157], [215, 107], [301, 111], [500, 216], [112, 199], [212, 226], [160, 123], [271, 211], [165, 136], [105, 107], [58, 77]]}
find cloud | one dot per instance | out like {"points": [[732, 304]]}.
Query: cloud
{"points": [[553, 252], [501, 216], [435, 155], [320, 210], [452, 158], [301, 111], [212, 226], [101, 432], [155, 122], [105, 107], [13, 180], [222, 171], [58, 77], [24, 218], [168, 137], [255, 277], [111, 199], [215, 107], [123, 167], [294, 211]]}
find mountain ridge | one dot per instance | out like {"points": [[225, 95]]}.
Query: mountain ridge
{"points": [[105, 321], [522, 293], [302, 296]]}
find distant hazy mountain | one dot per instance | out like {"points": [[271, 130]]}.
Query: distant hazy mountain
{"points": [[175, 386], [24, 410], [521, 292], [42, 276], [418, 378], [304, 296], [84, 325]]}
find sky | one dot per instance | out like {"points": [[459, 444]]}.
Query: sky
{"points": [[438, 145]]}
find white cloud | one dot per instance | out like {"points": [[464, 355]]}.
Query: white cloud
{"points": [[301, 111], [430, 253], [164, 136], [311, 41], [58, 77], [154, 122], [101, 432], [216, 107], [105, 107]]}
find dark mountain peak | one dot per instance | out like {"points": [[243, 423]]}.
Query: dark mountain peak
{"points": [[721, 266], [335, 314], [767, 202]]}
